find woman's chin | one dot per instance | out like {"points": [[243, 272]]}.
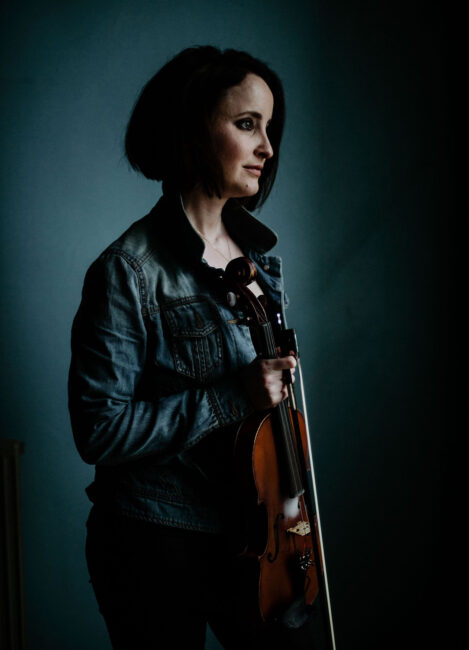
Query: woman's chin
{"points": [[247, 192], [241, 190]]}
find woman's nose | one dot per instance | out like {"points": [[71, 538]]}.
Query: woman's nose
{"points": [[264, 149]]}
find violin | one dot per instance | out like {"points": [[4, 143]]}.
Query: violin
{"points": [[273, 460]]}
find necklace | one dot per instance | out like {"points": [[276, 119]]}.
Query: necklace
{"points": [[228, 259]]}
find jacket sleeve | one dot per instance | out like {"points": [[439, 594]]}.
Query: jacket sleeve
{"points": [[109, 341]]}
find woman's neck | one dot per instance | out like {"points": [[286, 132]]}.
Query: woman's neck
{"points": [[204, 212]]}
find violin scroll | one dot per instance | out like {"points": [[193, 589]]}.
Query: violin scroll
{"points": [[240, 271]]}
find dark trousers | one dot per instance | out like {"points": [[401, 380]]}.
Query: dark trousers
{"points": [[157, 587]]}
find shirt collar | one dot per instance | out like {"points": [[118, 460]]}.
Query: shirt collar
{"points": [[248, 232]]}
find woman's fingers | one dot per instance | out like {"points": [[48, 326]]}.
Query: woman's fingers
{"points": [[265, 381], [281, 363]]}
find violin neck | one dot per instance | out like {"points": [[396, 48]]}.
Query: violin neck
{"points": [[292, 474], [291, 465]]}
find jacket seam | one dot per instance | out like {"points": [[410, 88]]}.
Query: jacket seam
{"points": [[136, 266], [212, 400]]}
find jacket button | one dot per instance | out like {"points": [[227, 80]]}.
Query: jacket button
{"points": [[231, 299], [266, 267]]}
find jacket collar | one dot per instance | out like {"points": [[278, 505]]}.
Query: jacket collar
{"points": [[248, 232]]}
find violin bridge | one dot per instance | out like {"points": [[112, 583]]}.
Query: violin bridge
{"points": [[302, 528]]}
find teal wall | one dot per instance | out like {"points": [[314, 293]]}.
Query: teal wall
{"points": [[360, 206]]}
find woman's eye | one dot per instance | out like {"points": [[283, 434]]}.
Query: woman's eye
{"points": [[246, 124]]}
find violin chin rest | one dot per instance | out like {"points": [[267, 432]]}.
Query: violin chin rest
{"points": [[296, 614]]}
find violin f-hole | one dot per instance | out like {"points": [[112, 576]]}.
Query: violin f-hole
{"points": [[270, 557]]}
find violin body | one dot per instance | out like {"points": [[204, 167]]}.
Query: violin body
{"points": [[278, 532]]}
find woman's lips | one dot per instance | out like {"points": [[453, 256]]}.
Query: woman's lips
{"points": [[256, 171]]}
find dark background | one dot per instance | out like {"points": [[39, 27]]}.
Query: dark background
{"points": [[361, 206]]}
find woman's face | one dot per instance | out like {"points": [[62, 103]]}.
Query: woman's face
{"points": [[239, 132]]}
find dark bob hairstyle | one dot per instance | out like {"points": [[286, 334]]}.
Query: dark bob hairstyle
{"points": [[168, 135]]}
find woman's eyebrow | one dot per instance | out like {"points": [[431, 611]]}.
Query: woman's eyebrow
{"points": [[253, 113]]}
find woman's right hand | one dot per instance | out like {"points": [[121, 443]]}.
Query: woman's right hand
{"points": [[264, 381]]}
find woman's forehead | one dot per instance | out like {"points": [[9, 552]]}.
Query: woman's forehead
{"points": [[251, 95]]}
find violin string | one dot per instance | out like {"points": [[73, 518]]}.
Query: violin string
{"points": [[294, 474], [292, 452]]}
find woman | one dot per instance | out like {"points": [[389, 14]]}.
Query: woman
{"points": [[163, 371]]}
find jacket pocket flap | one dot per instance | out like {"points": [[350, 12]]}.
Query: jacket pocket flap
{"points": [[191, 320]]}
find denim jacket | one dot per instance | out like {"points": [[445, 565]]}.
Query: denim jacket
{"points": [[154, 386]]}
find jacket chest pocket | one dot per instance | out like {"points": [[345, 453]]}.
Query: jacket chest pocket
{"points": [[195, 339]]}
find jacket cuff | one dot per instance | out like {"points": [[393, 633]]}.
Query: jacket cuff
{"points": [[229, 401]]}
